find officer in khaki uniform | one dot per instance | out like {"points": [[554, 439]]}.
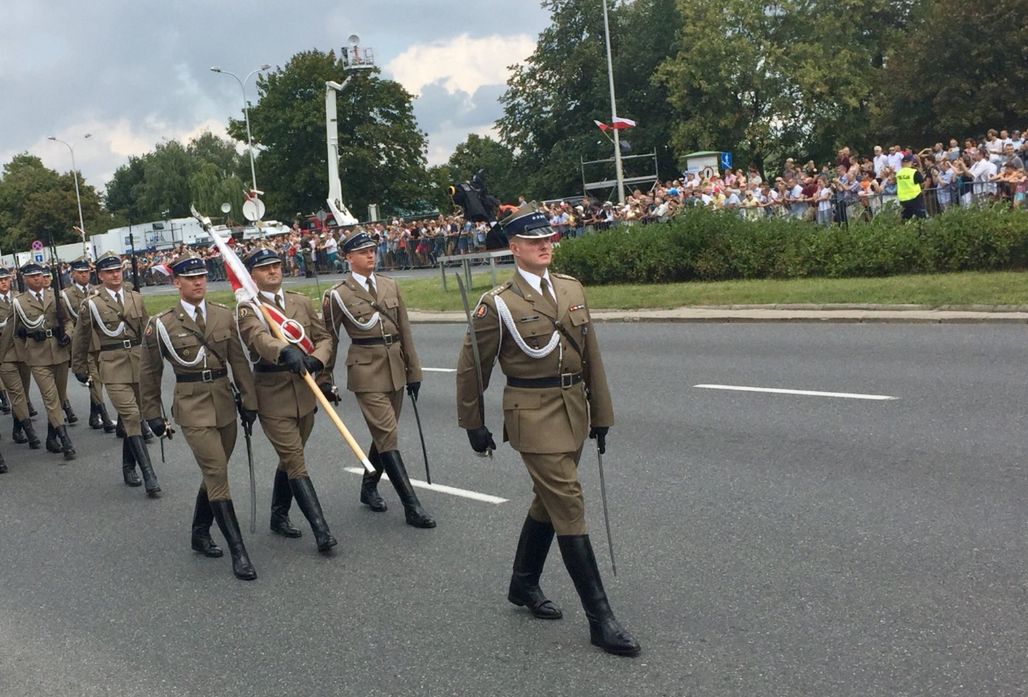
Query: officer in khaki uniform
{"points": [[286, 404], [198, 338], [61, 373], [73, 296], [12, 366], [380, 362], [111, 324], [41, 342], [538, 326]]}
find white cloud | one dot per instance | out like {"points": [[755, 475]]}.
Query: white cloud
{"points": [[460, 63]]}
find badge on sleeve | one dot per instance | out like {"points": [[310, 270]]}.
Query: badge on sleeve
{"points": [[149, 329], [482, 310], [243, 312]]}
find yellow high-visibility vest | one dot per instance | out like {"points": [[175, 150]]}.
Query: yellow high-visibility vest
{"points": [[906, 188]]}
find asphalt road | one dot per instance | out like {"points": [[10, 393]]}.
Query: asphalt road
{"points": [[767, 544]]}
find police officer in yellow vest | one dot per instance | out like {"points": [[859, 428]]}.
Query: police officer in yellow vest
{"points": [[538, 326], [908, 189]]}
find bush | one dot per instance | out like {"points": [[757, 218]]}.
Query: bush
{"points": [[716, 245]]}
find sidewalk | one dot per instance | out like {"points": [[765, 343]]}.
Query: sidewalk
{"points": [[897, 314]]}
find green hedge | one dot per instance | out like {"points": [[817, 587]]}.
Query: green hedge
{"points": [[710, 245]]}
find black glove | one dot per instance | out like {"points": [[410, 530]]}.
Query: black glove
{"points": [[481, 439], [21, 333], [82, 377], [312, 364], [247, 417], [413, 388], [292, 358], [600, 434], [157, 426], [39, 335], [330, 392], [63, 340]]}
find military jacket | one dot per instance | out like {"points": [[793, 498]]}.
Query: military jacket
{"points": [[279, 392], [382, 367], [537, 419], [42, 346], [73, 298], [207, 401], [8, 354], [115, 338]]}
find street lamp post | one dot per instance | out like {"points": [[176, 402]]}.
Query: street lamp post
{"points": [[246, 112], [78, 199]]}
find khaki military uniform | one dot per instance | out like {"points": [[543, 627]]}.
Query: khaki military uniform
{"points": [[115, 341], [13, 371], [381, 359], [285, 403], [204, 404], [547, 425], [73, 297], [41, 350]]}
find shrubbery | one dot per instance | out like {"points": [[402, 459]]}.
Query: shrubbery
{"points": [[710, 245]]}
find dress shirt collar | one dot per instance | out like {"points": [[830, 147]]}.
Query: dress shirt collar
{"points": [[116, 295], [271, 296], [363, 280], [191, 309], [535, 281]]}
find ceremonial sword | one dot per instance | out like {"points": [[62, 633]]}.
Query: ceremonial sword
{"points": [[421, 435], [247, 434], [606, 517], [478, 358]]}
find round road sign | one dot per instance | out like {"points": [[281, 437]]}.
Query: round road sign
{"points": [[253, 209], [36, 245]]}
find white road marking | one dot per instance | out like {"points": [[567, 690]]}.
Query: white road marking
{"points": [[809, 393], [439, 370], [443, 489]]}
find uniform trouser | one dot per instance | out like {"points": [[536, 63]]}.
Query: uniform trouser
{"points": [[558, 494], [26, 379], [381, 412], [289, 435], [212, 447], [46, 380], [96, 388], [10, 375], [125, 398], [61, 378]]}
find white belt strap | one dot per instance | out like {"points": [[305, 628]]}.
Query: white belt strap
{"points": [[117, 333], [504, 312], [165, 338]]}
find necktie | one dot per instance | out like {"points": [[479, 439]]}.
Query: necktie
{"points": [[200, 322], [117, 299], [545, 286], [39, 297], [371, 289], [278, 302]]}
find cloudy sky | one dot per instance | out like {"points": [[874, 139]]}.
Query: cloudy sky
{"points": [[132, 74]]}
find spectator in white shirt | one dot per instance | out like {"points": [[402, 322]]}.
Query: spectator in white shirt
{"points": [[881, 161], [895, 158]]}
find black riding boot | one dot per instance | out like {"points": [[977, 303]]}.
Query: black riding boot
{"points": [[281, 499], [25, 433], [108, 425], [604, 630], [128, 465], [53, 443], [415, 514], [94, 416], [65, 442], [119, 429], [307, 500], [142, 457], [5, 402], [144, 428], [32, 409], [533, 546], [369, 485], [68, 413], [225, 513], [203, 516]]}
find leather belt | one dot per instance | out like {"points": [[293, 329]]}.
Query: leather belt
{"points": [[269, 368], [563, 381], [387, 340], [125, 344], [205, 376]]}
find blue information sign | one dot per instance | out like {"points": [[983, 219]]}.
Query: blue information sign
{"points": [[725, 161]]}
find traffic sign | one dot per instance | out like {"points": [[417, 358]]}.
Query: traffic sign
{"points": [[725, 161], [36, 245], [253, 209], [38, 257]]}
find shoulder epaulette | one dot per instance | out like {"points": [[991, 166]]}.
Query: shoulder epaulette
{"points": [[500, 288], [296, 292], [565, 276], [161, 314], [221, 305]]}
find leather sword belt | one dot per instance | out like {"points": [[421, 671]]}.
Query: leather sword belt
{"points": [[269, 368], [125, 344], [563, 381], [205, 376], [387, 340]]}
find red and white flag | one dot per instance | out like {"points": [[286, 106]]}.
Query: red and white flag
{"points": [[620, 123], [602, 126]]}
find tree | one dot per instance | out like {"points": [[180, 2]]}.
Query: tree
{"points": [[380, 146], [481, 152]]}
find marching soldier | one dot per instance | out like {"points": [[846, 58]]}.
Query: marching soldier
{"points": [[61, 373], [198, 338], [73, 296], [538, 325], [12, 366], [286, 404], [111, 325], [380, 362], [41, 341]]}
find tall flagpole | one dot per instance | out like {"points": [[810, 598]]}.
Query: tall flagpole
{"points": [[613, 110]]}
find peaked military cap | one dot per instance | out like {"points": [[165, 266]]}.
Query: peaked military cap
{"points": [[262, 256], [47, 271], [83, 263], [189, 263], [108, 261], [527, 222], [358, 240], [31, 268], [5, 272]]}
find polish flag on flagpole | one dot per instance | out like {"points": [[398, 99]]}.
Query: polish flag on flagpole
{"points": [[602, 126], [620, 123]]}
